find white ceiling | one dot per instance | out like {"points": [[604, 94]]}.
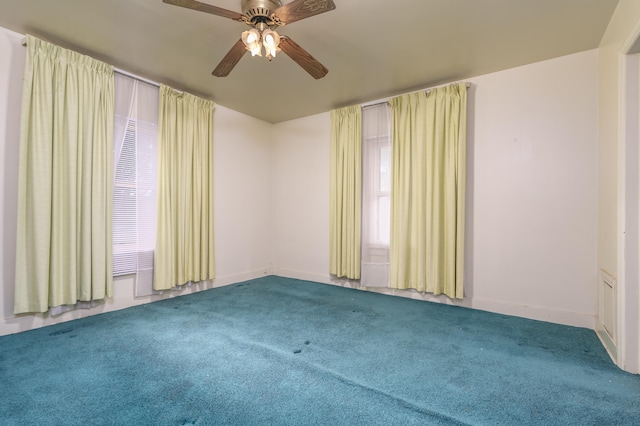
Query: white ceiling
{"points": [[373, 48]]}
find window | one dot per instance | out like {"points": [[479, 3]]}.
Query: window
{"points": [[134, 191], [376, 191], [380, 186]]}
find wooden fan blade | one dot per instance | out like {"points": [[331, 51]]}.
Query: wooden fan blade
{"points": [[303, 58], [301, 9], [207, 8], [230, 60]]}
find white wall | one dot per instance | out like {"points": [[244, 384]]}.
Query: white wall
{"points": [[242, 191], [242, 196], [532, 208], [12, 56], [301, 197]]}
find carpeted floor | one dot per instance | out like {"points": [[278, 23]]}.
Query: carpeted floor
{"points": [[279, 351]]}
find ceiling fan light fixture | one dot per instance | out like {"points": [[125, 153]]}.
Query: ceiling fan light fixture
{"points": [[263, 16], [271, 42], [251, 40]]}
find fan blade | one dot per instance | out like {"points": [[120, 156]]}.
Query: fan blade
{"points": [[230, 60], [301, 9], [303, 58], [207, 8]]}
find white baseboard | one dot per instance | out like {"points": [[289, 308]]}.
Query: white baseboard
{"points": [[240, 277], [540, 313], [123, 298], [576, 319], [607, 342], [121, 301]]}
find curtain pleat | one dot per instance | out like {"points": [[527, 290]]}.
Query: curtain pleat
{"points": [[345, 181], [428, 190], [184, 239], [63, 248]]}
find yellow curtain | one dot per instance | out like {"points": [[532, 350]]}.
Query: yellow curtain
{"points": [[63, 248], [346, 189], [428, 190], [185, 249]]}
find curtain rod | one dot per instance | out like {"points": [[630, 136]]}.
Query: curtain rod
{"points": [[118, 70], [386, 101], [137, 77], [153, 83]]}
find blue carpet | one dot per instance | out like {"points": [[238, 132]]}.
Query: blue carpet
{"points": [[277, 351]]}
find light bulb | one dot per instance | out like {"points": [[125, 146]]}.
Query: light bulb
{"points": [[251, 40], [256, 50], [270, 40]]}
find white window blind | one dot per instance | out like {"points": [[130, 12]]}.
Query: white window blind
{"points": [[134, 192], [376, 191]]}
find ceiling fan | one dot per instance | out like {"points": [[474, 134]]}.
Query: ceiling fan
{"points": [[264, 16]]}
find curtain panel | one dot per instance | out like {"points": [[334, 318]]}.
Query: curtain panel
{"points": [[63, 247], [428, 190], [185, 249], [345, 182]]}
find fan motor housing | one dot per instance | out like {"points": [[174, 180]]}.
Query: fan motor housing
{"points": [[259, 10]]}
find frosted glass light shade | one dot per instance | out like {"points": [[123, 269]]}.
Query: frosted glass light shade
{"points": [[251, 40]]}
